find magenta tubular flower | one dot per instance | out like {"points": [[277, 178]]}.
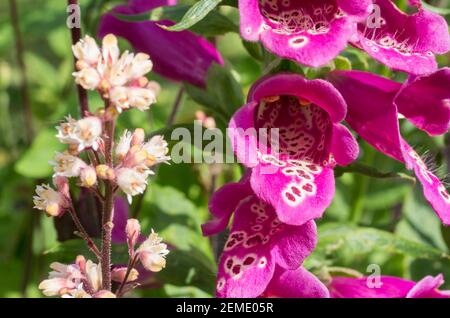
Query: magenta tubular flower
{"points": [[404, 42], [374, 104], [388, 287], [180, 56], [261, 252], [309, 32], [295, 173]]}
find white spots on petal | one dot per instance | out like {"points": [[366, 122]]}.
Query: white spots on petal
{"points": [[298, 41], [444, 193], [220, 284], [262, 262]]}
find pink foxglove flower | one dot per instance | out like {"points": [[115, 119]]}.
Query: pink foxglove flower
{"points": [[309, 32], [295, 172], [387, 287], [404, 42], [298, 283], [374, 104], [180, 56], [258, 243]]}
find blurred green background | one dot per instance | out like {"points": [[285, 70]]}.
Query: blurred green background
{"points": [[405, 237]]}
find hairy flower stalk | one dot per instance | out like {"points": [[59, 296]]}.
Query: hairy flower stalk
{"points": [[120, 80]]}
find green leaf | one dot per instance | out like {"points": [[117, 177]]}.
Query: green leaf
{"points": [[34, 162], [342, 63], [339, 241], [254, 49], [441, 11], [189, 268], [213, 24], [195, 14], [223, 93]]}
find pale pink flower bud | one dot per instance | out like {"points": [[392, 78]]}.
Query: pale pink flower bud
{"points": [[209, 123], [156, 149], [123, 146], [133, 230], [87, 50], [49, 200], [118, 274], [140, 66], [141, 98], [56, 286], [62, 185], [105, 172], [88, 78], [138, 137], [152, 253], [119, 98], [93, 274], [110, 49], [88, 177], [200, 115]]}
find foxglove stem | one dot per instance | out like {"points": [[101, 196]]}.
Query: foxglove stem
{"points": [[131, 265], [82, 231], [107, 215]]}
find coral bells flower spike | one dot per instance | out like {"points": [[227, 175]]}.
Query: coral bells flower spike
{"points": [[387, 287], [404, 42], [152, 253], [309, 32], [180, 56], [293, 171], [49, 200], [257, 244], [374, 104]]}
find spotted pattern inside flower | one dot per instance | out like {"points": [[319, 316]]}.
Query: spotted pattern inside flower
{"points": [[242, 249], [304, 129], [304, 18], [381, 32]]}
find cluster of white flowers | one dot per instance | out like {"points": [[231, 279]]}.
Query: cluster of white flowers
{"points": [[120, 81], [137, 157], [119, 78], [83, 279]]}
